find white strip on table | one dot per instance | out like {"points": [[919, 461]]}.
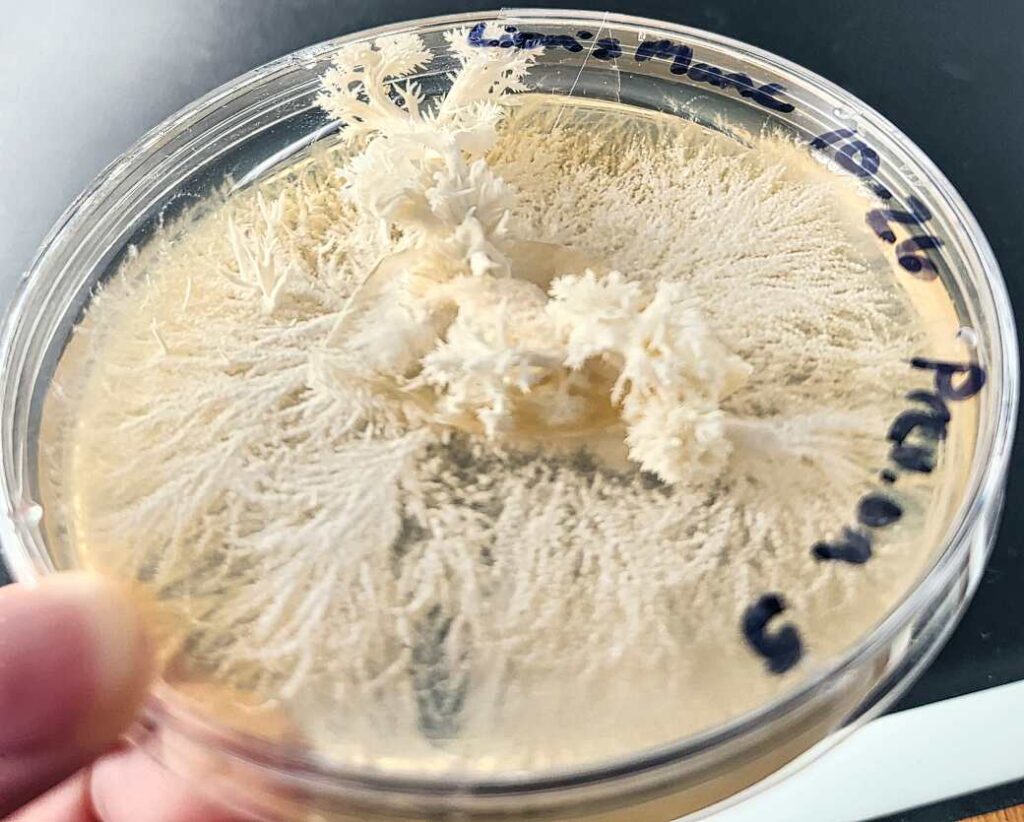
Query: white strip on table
{"points": [[902, 761]]}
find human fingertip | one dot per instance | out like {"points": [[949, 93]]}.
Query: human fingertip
{"points": [[74, 662], [130, 786]]}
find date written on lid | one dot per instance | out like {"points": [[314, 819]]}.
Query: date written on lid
{"points": [[852, 153]]}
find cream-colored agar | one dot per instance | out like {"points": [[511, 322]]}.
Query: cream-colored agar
{"points": [[422, 574]]}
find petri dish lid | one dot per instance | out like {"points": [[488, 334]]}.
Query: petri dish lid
{"points": [[471, 607]]}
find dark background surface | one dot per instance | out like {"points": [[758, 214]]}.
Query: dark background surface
{"points": [[80, 80]]}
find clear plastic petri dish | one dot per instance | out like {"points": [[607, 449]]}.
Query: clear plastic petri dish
{"points": [[959, 414]]}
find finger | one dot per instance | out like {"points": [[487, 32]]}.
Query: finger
{"points": [[68, 802], [129, 786], [73, 672]]}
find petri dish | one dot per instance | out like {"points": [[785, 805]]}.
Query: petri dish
{"points": [[619, 115]]}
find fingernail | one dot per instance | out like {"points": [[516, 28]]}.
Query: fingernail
{"points": [[73, 663]]}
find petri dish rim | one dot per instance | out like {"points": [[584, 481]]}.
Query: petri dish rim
{"points": [[982, 496]]}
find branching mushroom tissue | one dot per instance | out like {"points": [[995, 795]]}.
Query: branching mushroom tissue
{"points": [[494, 392]]}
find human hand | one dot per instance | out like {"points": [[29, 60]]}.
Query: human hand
{"points": [[74, 670]]}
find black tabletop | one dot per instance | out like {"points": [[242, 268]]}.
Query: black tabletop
{"points": [[83, 79]]}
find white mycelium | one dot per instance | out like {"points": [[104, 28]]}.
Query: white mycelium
{"points": [[465, 441]]}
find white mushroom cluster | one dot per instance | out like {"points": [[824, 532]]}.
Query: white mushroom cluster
{"points": [[465, 319]]}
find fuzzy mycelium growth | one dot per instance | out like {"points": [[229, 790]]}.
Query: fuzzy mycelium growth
{"points": [[495, 393], [470, 321]]}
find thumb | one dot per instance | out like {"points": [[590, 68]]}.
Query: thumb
{"points": [[74, 667]]}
